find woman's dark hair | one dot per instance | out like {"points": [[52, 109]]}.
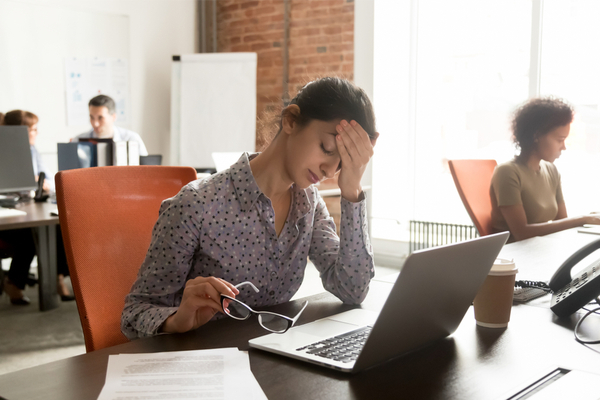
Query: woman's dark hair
{"points": [[331, 98], [537, 117], [20, 117]]}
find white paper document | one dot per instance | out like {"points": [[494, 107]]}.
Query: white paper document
{"points": [[197, 374]]}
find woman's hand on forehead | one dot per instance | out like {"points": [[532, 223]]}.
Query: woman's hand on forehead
{"points": [[355, 149]]}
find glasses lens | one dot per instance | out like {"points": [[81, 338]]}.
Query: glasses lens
{"points": [[273, 322], [236, 310]]}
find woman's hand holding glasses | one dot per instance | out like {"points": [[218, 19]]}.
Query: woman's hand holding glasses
{"points": [[273, 322], [201, 301]]}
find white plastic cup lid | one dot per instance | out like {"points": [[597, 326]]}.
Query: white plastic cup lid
{"points": [[503, 267]]}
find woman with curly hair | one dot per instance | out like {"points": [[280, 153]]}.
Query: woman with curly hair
{"points": [[526, 192]]}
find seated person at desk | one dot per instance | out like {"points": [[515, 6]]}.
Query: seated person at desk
{"points": [[19, 117], [526, 192], [103, 114], [18, 244], [259, 220]]}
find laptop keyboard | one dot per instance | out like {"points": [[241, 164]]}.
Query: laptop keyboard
{"points": [[344, 348]]}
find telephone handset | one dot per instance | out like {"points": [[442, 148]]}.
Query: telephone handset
{"points": [[39, 193], [572, 293]]}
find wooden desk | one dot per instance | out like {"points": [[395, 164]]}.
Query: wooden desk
{"points": [[474, 363], [539, 257], [38, 217]]}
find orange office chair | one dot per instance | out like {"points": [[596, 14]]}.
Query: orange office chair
{"points": [[107, 215], [473, 179]]}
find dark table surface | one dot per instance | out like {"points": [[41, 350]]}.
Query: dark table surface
{"points": [[473, 363], [38, 214], [38, 217]]}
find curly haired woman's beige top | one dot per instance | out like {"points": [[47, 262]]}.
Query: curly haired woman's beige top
{"points": [[539, 192]]}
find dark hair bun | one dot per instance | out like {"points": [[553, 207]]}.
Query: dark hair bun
{"points": [[332, 98]]}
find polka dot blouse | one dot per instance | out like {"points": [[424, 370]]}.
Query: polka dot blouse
{"points": [[224, 226]]}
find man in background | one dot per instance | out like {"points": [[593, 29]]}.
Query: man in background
{"points": [[103, 114]]}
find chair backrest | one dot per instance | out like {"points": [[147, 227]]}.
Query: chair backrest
{"points": [[106, 217], [473, 179]]}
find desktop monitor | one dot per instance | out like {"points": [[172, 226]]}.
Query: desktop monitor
{"points": [[152, 159], [76, 155], [16, 166]]}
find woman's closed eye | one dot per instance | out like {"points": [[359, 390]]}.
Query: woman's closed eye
{"points": [[329, 153]]}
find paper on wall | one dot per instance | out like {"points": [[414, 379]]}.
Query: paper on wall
{"points": [[86, 77]]}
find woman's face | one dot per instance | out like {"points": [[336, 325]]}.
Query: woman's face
{"points": [[33, 132], [312, 154], [550, 145]]}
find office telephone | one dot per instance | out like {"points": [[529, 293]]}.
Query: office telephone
{"points": [[39, 193], [572, 293]]}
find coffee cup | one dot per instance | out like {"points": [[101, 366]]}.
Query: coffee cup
{"points": [[494, 300]]}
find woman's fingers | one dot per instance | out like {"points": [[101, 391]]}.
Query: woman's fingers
{"points": [[204, 292], [219, 285], [193, 312], [374, 140], [344, 156], [362, 136], [346, 148], [226, 305], [200, 302], [595, 220], [197, 298], [349, 138], [355, 150], [230, 286], [356, 140]]}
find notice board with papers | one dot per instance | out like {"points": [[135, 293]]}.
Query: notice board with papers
{"points": [[32, 62]]}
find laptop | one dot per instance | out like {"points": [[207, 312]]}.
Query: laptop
{"points": [[434, 290], [593, 229]]}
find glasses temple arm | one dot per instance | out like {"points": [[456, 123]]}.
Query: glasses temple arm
{"points": [[298, 315], [247, 283]]}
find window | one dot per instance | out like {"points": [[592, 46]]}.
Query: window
{"points": [[447, 75], [570, 69]]}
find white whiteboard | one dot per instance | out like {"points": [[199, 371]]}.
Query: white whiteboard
{"points": [[35, 39], [213, 106]]}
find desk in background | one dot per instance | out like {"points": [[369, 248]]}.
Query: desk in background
{"points": [[38, 217], [539, 257]]}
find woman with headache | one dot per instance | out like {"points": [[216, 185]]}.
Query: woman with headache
{"points": [[260, 220]]}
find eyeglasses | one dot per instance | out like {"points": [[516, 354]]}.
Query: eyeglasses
{"points": [[271, 321]]}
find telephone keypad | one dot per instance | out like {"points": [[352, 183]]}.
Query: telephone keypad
{"points": [[578, 292]]}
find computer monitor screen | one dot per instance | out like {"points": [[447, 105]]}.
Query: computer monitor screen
{"points": [[152, 159], [16, 166]]}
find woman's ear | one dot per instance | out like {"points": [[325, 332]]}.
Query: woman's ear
{"points": [[290, 116]]}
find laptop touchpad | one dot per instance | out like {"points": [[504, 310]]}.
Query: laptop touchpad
{"points": [[325, 328]]}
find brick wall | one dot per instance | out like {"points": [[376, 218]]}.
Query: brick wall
{"points": [[321, 43]]}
